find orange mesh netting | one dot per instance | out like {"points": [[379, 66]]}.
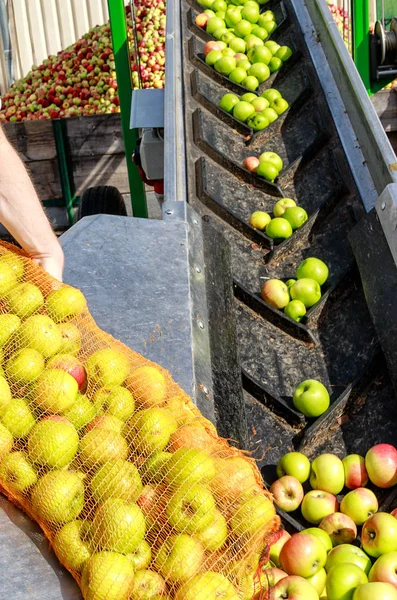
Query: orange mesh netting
{"points": [[136, 493]]}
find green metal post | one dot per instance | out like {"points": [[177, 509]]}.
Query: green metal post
{"points": [[360, 38], [64, 166], [118, 26]]}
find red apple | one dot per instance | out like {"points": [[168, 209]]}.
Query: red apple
{"points": [[201, 20], [381, 464], [293, 588], [303, 555], [356, 475], [340, 528], [251, 163]]}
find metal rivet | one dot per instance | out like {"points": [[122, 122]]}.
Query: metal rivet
{"points": [[198, 270], [205, 390], [383, 206], [169, 212], [201, 324]]}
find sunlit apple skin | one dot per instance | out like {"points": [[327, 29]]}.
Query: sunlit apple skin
{"points": [[385, 569], [293, 588], [375, 591], [379, 534], [317, 504], [107, 575], [321, 535], [58, 497], [251, 163], [251, 517], [327, 474], [287, 493], [318, 580], [214, 536], [147, 584], [340, 528], [71, 545], [70, 364], [141, 557], [342, 580], [191, 509], [359, 505], [302, 555], [118, 526], [347, 553], [17, 472], [356, 475], [275, 293], [275, 549], [179, 558], [274, 575], [295, 464], [311, 398], [207, 586], [381, 465]]}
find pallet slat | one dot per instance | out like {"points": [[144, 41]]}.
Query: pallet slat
{"points": [[385, 104], [95, 136], [33, 140]]}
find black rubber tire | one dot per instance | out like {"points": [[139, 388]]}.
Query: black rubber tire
{"points": [[101, 200]]}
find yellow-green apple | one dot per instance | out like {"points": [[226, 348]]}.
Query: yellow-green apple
{"points": [[295, 309], [6, 441], [147, 584], [295, 464], [15, 262], [318, 580], [107, 367], [228, 102], [72, 545], [17, 472], [116, 401], [118, 479], [232, 477], [275, 548], [375, 591], [148, 385], [280, 105], [321, 535], [278, 228], [106, 422], [141, 557], [296, 216], [53, 442], [213, 24], [273, 575], [284, 53], [118, 526], [251, 163], [207, 586], [40, 333], [58, 497], [281, 206], [8, 326], [307, 291], [81, 412], [65, 303], [260, 104], [317, 504], [312, 399], [327, 474], [196, 434], [259, 219], [179, 558], [191, 509], [356, 475], [303, 555], [271, 94], [359, 505], [107, 575], [340, 528], [155, 467], [313, 268], [385, 569], [100, 446], [189, 466], [342, 580], [149, 430], [275, 293], [242, 110], [251, 517], [18, 418], [287, 493], [5, 394], [8, 279], [272, 157], [381, 465], [213, 537], [71, 338], [24, 300], [379, 534], [182, 411], [24, 367], [55, 391], [70, 364], [267, 169], [347, 553], [293, 588]]}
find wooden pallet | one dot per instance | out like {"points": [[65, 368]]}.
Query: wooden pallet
{"points": [[385, 103]]}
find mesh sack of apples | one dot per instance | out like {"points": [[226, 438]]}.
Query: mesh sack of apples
{"points": [[136, 493]]}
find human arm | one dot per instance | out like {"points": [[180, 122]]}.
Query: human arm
{"points": [[22, 215]]}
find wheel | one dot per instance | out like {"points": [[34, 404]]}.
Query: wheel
{"points": [[101, 200]]}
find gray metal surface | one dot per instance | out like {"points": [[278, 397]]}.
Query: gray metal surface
{"points": [[147, 108], [386, 209]]}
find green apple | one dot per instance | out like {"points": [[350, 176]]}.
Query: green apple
{"points": [[238, 45], [270, 114], [284, 53], [251, 517], [8, 278], [295, 310], [273, 158], [271, 94], [65, 304], [6, 441], [327, 472], [228, 102], [40, 333], [275, 64], [317, 504], [219, 5], [259, 219], [260, 104], [189, 466], [71, 338], [108, 576], [15, 262], [295, 464], [347, 553], [207, 586], [261, 54], [81, 412], [242, 28], [356, 475], [359, 505], [213, 24], [58, 497], [280, 105], [252, 42], [100, 446], [273, 46], [296, 216], [275, 549], [191, 509], [213, 537], [53, 442], [257, 122], [375, 591], [116, 401], [232, 16], [8, 326], [313, 268], [150, 430], [306, 290], [221, 34], [118, 526], [148, 585], [268, 171], [275, 293], [312, 399], [318, 580], [71, 545], [281, 206], [125, 481], [207, 11], [107, 367], [155, 467], [237, 75], [24, 366], [322, 536], [17, 472], [379, 534], [5, 394], [250, 82], [248, 97], [24, 300], [18, 418], [225, 65], [268, 15], [342, 580], [179, 558], [270, 26], [141, 557], [212, 57], [260, 32], [303, 555], [243, 110], [260, 71], [55, 391], [278, 228], [250, 13], [243, 63], [290, 282]]}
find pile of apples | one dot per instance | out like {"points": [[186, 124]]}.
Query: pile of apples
{"points": [[241, 52], [342, 20], [81, 80], [139, 497], [296, 295], [328, 560], [258, 112]]}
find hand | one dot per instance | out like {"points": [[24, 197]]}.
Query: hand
{"points": [[52, 264]]}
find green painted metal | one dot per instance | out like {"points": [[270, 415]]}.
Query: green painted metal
{"points": [[118, 26], [65, 166], [361, 40]]}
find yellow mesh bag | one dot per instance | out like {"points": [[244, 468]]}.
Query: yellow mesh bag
{"points": [[136, 493]]}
